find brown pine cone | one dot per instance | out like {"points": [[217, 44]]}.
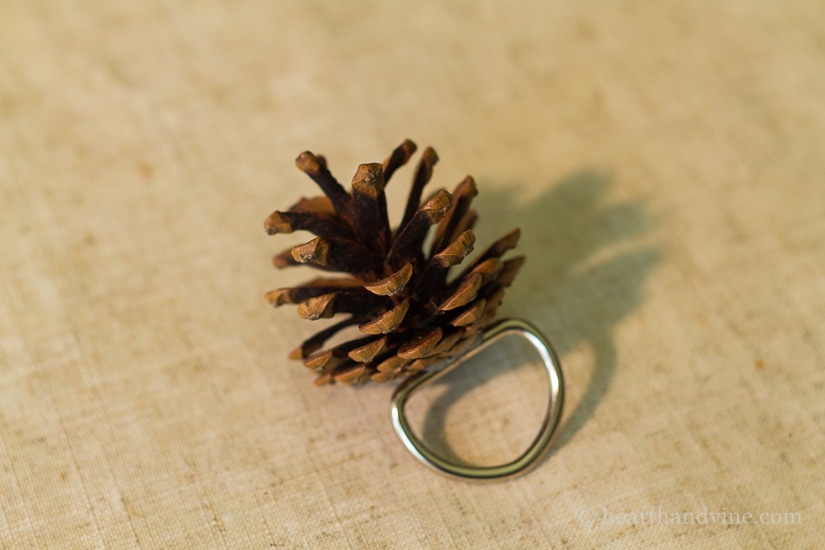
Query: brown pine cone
{"points": [[399, 296]]}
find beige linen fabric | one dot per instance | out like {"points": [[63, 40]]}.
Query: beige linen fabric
{"points": [[664, 161]]}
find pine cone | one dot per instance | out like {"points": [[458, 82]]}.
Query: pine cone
{"points": [[400, 297]]}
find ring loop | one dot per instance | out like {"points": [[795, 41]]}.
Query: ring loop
{"points": [[537, 448]]}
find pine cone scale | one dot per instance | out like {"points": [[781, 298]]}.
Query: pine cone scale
{"points": [[316, 169], [370, 203], [423, 175], [399, 157], [388, 321], [392, 285], [408, 241]]}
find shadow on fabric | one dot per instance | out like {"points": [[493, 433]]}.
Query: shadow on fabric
{"points": [[586, 267]]}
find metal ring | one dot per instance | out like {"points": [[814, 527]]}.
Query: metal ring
{"points": [[537, 448]]}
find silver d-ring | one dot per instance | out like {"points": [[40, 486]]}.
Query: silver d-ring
{"points": [[537, 448]]}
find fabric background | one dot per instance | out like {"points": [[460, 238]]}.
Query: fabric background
{"points": [[663, 160]]}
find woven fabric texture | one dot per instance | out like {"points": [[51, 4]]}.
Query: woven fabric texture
{"points": [[664, 162]]}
